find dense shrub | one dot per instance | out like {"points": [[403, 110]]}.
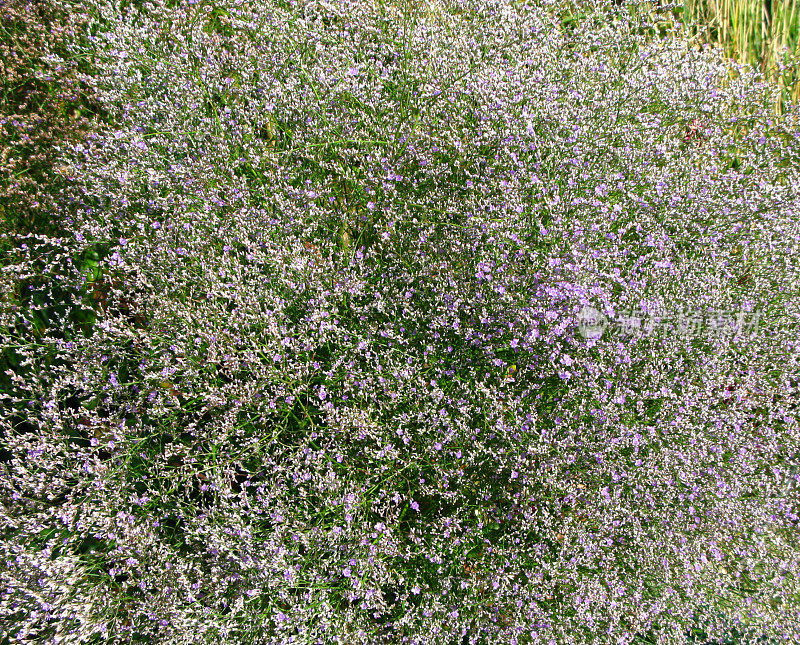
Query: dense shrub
{"points": [[44, 103], [319, 375]]}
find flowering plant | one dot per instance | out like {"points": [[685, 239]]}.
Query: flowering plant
{"points": [[307, 366]]}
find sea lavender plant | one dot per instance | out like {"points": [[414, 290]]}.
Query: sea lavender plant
{"points": [[311, 368], [43, 103]]}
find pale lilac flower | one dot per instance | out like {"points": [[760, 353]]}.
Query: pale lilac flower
{"points": [[345, 246]]}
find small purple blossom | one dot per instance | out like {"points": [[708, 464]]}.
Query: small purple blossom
{"points": [[484, 184]]}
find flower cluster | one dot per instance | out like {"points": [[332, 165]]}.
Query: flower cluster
{"points": [[307, 366], [45, 103]]}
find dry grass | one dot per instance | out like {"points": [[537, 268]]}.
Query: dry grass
{"points": [[763, 33]]}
